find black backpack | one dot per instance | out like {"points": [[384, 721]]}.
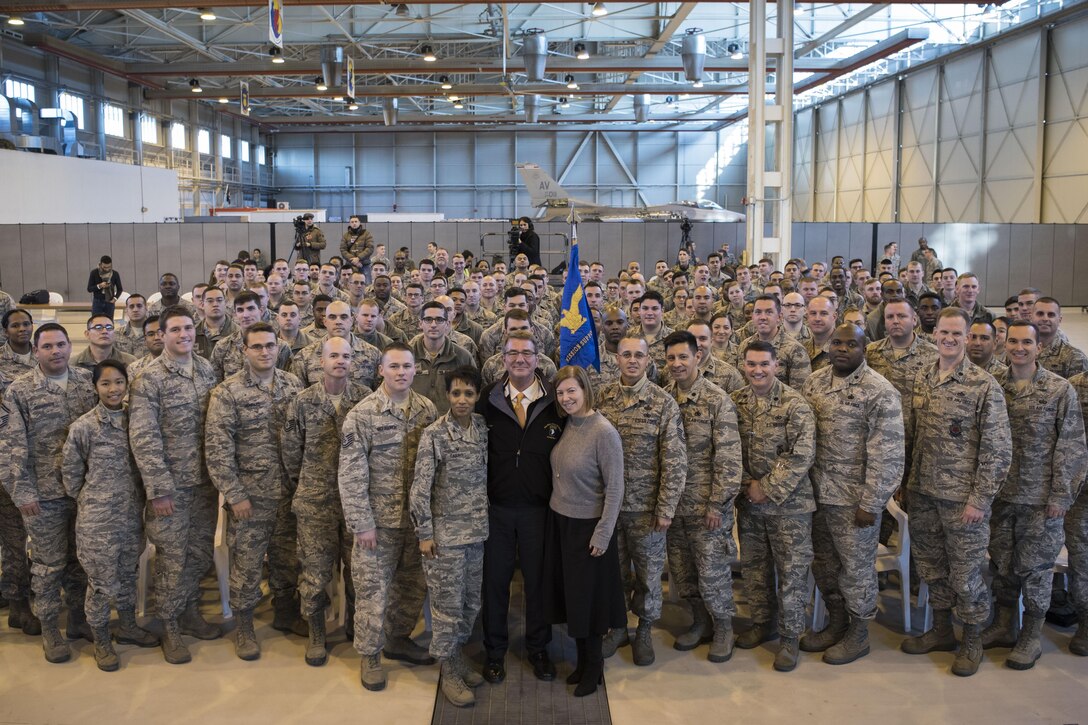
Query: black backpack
{"points": [[35, 297]]}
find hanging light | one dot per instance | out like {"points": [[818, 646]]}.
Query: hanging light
{"points": [[403, 11], [319, 82], [734, 51], [453, 98], [580, 51], [338, 98], [458, 105], [599, 10], [277, 54], [697, 84], [353, 106], [428, 54], [445, 81], [206, 14], [194, 86], [15, 20], [571, 83], [224, 99], [564, 103]]}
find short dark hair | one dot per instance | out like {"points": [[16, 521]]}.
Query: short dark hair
{"points": [[95, 315], [1049, 301], [396, 346], [244, 298], [106, 365], [761, 346], [148, 320], [15, 310], [466, 374], [653, 296], [931, 296], [105, 259], [515, 292], [429, 262], [318, 298], [1022, 323], [433, 305], [769, 298], [958, 313], [174, 311], [257, 328], [681, 337], [49, 327]]}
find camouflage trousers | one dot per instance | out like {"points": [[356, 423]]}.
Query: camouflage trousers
{"points": [[1024, 544], [639, 544], [454, 581], [184, 543], [283, 564], [950, 555], [109, 541], [323, 542], [701, 563], [389, 589], [1076, 543], [844, 560], [14, 562], [53, 561], [247, 544], [782, 546]]}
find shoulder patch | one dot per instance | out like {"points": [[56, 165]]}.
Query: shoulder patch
{"points": [[347, 440]]}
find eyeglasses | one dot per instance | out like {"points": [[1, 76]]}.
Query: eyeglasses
{"points": [[513, 354], [101, 328], [433, 320]]}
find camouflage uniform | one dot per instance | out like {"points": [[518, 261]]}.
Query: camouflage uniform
{"points": [[491, 339], [310, 447], [7, 303], [859, 464], [958, 429], [406, 321], [378, 445], [206, 341], [610, 370], [39, 414], [430, 380], [777, 435], [301, 340], [130, 338], [700, 560], [167, 406], [722, 374], [13, 365], [996, 368], [376, 339], [228, 356], [657, 345], [655, 468], [100, 473], [242, 441], [364, 363], [139, 365], [817, 356], [495, 368], [794, 366], [1061, 358], [157, 307], [1076, 522], [448, 503], [14, 562], [86, 361], [1048, 465], [900, 367]]}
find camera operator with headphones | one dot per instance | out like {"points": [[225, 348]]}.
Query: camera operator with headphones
{"points": [[309, 239], [526, 241]]}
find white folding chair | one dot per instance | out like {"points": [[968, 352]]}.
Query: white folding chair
{"points": [[1061, 566], [56, 298], [897, 558], [143, 579], [221, 556]]}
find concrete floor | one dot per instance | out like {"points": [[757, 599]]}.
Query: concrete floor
{"points": [[680, 688]]}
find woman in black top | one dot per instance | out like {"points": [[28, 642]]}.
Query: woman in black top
{"points": [[529, 243]]}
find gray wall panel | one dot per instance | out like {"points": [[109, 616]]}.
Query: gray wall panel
{"points": [[145, 240], [996, 288], [201, 249], [169, 249], [610, 250], [422, 232], [861, 243], [815, 243], [635, 241], [1019, 257], [838, 240], [1062, 280], [1042, 257], [77, 264], [33, 257], [56, 272], [236, 237], [1080, 267], [11, 260]]}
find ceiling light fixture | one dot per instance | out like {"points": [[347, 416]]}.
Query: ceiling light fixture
{"points": [[599, 10], [445, 81], [15, 20], [194, 86], [403, 11], [458, 105], [338, 98], [564, 103], [428, 54], [277, 55], [697, 84], [206, 14], [453, 99], [734, 51], [571, 83], [224, 99], [320, 83], [580, 51], [353, 106]]}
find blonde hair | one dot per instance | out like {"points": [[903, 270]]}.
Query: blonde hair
{"points": [[579, 375]]}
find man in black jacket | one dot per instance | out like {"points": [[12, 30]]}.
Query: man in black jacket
{"points": [[523, 427], [105, 287]]}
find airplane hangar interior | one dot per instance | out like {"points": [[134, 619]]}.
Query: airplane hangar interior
{"points": [[770, 143]]}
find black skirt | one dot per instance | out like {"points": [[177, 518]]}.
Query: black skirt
{"points": [[584, 592]]}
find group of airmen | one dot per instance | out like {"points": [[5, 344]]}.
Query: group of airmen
{"points": [[328, 411]]}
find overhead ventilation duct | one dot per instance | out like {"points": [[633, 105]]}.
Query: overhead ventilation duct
{"points": [[693, 52], [532, 108], [642, 107], [389, 111], [332, 65], [534, 50]]}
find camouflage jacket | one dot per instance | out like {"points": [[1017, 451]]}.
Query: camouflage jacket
{"points": [[449, 495], [817, 355], [900, 371], [794, 366], [610, 370], [35, 425], [859, 438], [722, 374], [242, 435], [430, 379], [12, 366], [777, 434], [167, 406], [378, 445], [1061, 358], [958, 431], [206, 341], [228, 357], [310, 441], [495, 368], [654, 450], [713, 447], [86, 361], [1049, 458], [98, 467], [130, 338], [364, 363], [406, 321], [491, 339]]}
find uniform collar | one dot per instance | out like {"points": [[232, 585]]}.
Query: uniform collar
{"points": [[852, 379]]}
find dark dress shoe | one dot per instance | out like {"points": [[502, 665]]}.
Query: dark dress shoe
{"points": [[543, 668], [495, 671]]}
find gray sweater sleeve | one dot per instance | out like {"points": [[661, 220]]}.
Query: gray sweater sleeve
{"points": [[610, 457]]}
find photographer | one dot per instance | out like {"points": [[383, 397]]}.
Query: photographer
{"points": [[526, 242], [357, 246], [309, 239], [105, 286]]}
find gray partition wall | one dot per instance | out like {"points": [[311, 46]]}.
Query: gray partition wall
{"points": [[1006, 257]]}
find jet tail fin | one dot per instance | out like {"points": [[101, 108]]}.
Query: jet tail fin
{"points": [[541, 186]]}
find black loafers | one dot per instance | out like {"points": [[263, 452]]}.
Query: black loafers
{"points": [[543, 668], [495, 671]]}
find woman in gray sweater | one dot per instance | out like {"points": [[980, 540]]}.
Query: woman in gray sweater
{"points": [[586, 591]]}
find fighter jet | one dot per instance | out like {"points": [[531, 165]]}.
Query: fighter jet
{"points": [[546, 193]]}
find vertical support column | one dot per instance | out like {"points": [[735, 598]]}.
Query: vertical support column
{"points": [[770, 177], [217, 154], [983, 131], [897, 159], [99, 90], [1040, 126], [135, 101], [937, 142], [194, 145]]}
